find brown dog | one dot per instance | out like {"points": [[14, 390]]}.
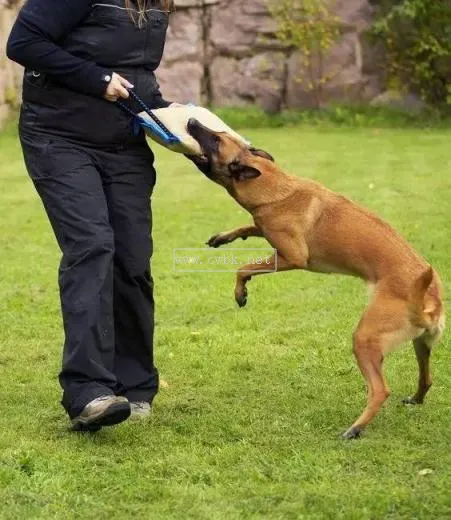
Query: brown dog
{"points": [[315, 229]]}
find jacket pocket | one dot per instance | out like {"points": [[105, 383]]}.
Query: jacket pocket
{"points": [[35, 148]]}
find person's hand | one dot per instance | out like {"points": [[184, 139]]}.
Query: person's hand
{"points": [[117, 88]]}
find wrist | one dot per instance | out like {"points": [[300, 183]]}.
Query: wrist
{"points": [[106, 78]]}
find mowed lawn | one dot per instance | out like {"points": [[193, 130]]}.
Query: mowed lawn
{"points": [[249, 424]]}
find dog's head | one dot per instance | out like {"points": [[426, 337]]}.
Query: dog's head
{"points": [[226, 160]]}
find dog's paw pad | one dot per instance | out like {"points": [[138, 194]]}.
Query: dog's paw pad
{"points": [[410, 401], [242, 302], [216, 241], [241, 298], [352, 433]]}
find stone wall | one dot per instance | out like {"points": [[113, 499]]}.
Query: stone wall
{"points": [[10, 73], [223, 52]]}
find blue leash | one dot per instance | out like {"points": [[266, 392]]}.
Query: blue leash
{"points": [[156, 127]]}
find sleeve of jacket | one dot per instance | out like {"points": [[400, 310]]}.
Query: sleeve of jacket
{"points": [[159, 102], [157, 98], [33, 43]]}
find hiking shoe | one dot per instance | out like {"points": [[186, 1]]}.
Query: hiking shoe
{"points": [[140, 410], [103, 411]]}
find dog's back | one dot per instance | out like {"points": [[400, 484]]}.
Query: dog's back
{"points": [[346, 238], [359, 242]]}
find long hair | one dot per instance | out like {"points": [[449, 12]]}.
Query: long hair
{"points": [[138, 8]]}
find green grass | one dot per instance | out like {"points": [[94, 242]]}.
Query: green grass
{"points": [[248, 427], [336, 115]]}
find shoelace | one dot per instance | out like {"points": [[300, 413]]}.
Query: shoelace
{"points": [[104, 398]]}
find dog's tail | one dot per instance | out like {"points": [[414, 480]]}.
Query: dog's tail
{"points": [[425, 303]]}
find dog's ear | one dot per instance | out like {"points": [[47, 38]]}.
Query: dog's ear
{"points": [[261, 153], [242, 172]]}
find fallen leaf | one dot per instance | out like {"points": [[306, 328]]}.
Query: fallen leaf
{"points": [[425, 471]]}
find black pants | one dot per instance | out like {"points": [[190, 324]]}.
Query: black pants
{"points": [[98, 203]]}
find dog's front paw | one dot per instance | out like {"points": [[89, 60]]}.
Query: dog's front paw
{"points": [[218, 240], [241, 296], [353, 433]]}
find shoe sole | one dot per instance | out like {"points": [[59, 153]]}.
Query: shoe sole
{"points": [[114, 414]]}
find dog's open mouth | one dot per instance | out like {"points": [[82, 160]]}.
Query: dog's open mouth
{"points": [[202, 135], [208, 144], [200, 158]]}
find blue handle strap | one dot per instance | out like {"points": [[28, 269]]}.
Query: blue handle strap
{"points": [[155, 126]]}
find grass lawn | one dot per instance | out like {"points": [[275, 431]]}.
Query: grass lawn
{"points": [[248, 425]]}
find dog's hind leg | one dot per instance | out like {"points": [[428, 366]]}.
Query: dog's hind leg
{"points": [[368, 351], [427, 311], [423, 347], [423, 353], [384, 326]]}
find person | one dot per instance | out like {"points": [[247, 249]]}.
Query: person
{"points": [[95, 177]]}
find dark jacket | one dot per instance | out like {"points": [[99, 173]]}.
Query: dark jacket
{"points": [[70, 49]]}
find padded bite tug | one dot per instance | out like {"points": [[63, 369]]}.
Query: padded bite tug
{"points": [[175, 118]]}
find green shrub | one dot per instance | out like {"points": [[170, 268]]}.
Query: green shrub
{"points": [[310, 27], [416, 35]]}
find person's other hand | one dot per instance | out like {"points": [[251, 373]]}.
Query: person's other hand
{"points": [[117, 88]]}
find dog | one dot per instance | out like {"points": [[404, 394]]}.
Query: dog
{"points": [[312, 228]]}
